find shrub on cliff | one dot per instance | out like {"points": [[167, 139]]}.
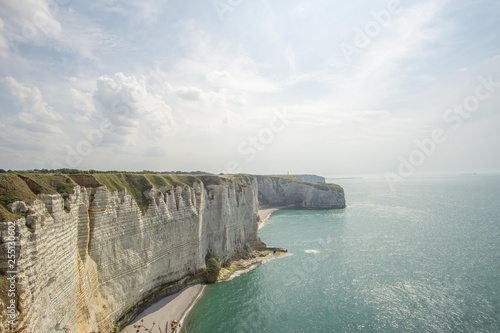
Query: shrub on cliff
{"points": [[213, 267]]}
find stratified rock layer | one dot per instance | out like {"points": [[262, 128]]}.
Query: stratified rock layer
{"points": [[86, 258], [283, 192]]}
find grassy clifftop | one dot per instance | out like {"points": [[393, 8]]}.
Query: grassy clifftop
{"points": [[297, 179], [26, 186]]}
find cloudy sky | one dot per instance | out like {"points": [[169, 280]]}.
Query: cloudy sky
{"points": [[264, 86]]}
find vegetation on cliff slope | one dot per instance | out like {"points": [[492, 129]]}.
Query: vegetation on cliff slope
{"points": [[213, 267], [25, 186], [296, 179]]}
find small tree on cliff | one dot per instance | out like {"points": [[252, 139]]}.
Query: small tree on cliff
{"points": [[213, 268]]}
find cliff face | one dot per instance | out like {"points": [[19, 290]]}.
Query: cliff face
{"points": [[312, 178], [86, 258], [283, 192]]}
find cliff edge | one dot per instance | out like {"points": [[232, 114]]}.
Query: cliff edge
{"points": [[280, 191], [85, 250]]}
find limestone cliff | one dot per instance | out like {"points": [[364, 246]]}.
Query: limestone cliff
{"points": [[85, 259], [312, 178], [279, 191]]}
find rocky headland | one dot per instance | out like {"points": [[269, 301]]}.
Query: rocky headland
{"points": [[90, 251]]}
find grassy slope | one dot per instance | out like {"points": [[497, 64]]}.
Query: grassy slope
{"points": [[320, 186], [26, 186], [13, 188]]}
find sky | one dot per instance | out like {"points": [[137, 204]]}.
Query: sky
{"points": [[328, 87]]}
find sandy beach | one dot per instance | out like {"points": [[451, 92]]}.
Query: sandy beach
{"points": [[264, 215], [178, 305], [173, 307]]}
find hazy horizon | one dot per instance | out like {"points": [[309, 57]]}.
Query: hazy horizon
{"points": [[329, 88]]}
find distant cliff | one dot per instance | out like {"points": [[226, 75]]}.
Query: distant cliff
{"points": [[278, 191], [312, 178], [89, 248]]}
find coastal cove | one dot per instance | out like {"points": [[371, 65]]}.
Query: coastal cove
{"points": [[177, 306], [233, 166], [126, 240], [422, 259]]}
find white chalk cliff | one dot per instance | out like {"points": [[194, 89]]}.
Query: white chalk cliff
{"points": [[283, 192], [85, 259]]}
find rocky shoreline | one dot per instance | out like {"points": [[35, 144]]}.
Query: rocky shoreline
{"points": [[125, 240], [241, 266], [178, 305]]}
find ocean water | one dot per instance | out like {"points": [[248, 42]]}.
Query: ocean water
{"points": [[425, 258]]}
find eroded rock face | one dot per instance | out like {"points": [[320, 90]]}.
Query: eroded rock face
{"points": [[282, 192], [88, 258]]}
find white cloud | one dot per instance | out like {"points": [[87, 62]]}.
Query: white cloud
{"points": [[132, 110], [192, 94], [226, 98], [46, 23], [219, 62], [30, 21], [83, 102], [82, 36], [4, 43], [219, 83], [35, 109], [35, 127], [120, 97], [33, 17], [145, 11], [219, 78], [376, 74]]}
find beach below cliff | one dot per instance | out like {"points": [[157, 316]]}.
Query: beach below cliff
{"points": [[264, 215], [177, 306], [162, 313]]}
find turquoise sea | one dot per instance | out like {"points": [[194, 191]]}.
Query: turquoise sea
{"points": [[425, 258]]}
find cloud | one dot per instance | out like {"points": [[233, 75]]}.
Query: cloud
{"points": [[30, 21], [83, 101], [131, 109], [193, 94], [46, 23], [378, 72], [218, 78], [220, 63], [35, 127], [34, 107], [82, 36], [189, 78], [120, 98], [145, 11], [4, 43], [32, 17]]}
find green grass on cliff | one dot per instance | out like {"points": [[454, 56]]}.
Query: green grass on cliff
{"points": [[13, 188], [319, 186], [328, 186], [50, 183], [26, 186], [137, 184]]}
